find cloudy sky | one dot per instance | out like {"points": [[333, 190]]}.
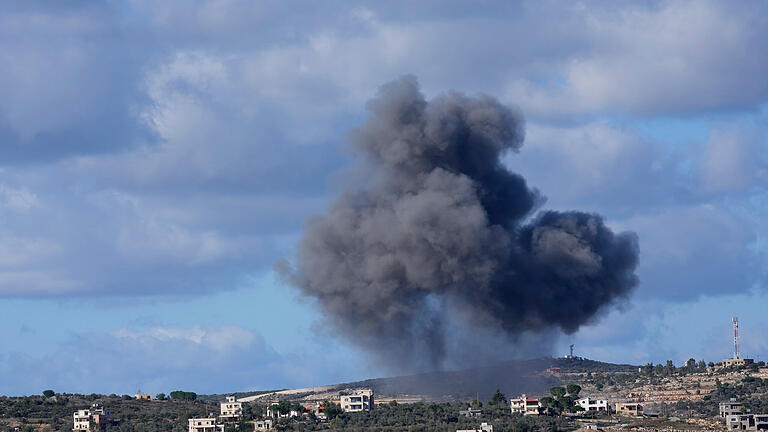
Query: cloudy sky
{"points": [[158, 158]]}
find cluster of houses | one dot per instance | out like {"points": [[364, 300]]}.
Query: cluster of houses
{"points": [[737, 417], [232, 412], [532, 406], [735, 414]]}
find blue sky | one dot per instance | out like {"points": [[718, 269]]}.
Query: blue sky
{"points": [[157, 159]]}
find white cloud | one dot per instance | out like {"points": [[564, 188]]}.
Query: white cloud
{"points": [[670, 57], [218, 339], [732, 161], [17, 199]]}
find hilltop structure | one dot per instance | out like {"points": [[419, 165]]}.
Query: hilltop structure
{"points": [[736, 360]]}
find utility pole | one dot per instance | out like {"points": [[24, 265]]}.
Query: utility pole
{"points": [[735, 337]]}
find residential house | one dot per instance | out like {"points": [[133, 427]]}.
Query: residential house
{"points": [[731, 408], [356, 400], [632, 409], [206, 424], [231, 410], [747, 422], [525, 405], [590, 404], [262, 425], [484, 427]]}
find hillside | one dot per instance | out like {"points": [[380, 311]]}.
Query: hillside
{"points": [[513, 377]]}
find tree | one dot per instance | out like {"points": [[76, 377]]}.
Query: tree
{"points": [[498, 398], [160, 396], [393, 403], [331, 410], [48, 393], [557, 392], [183, 395], [573, 390]]}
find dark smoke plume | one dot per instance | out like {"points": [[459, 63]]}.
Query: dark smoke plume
{"points": [[443, 234]]}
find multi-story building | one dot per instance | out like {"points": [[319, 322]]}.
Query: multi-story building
{"points": [[747, 422], [231, 410], [731, 408], [592, 404], [525, 405], [207, 424], [82, 420], [633, 409], [357, 400]]}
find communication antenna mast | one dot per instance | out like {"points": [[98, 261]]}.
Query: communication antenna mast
{"points": [[735, 337]]}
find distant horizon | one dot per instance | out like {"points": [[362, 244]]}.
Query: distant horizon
{"points": [[356, 382]]}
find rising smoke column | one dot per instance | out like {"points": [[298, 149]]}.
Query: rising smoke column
{"points": [[443, 233]]}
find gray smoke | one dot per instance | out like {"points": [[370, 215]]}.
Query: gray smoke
{"points": [[443, 236]]}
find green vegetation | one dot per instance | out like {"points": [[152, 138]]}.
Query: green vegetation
{"points": [[182, 395]]}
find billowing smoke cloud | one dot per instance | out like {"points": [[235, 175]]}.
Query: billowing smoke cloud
{"points": [[443, 236]]}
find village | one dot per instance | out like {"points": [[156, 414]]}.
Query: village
{"points": [[696, 396]]}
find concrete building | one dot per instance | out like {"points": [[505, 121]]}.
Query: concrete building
{"points": [[82, 420], [747, 422], [262, 425], [592, 404], [633, 409], [484, 427], [737, 362], [357, 400], [471, 412], [207, 424], [231, 410], [142, 396], [525, 405], [731, 408]]}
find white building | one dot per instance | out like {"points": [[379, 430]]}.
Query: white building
{"points": [[231, 409], [525, 405], [484, 427], [82, 420], [207, 424], [357, 400], [592, 404], [262, 425]]}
